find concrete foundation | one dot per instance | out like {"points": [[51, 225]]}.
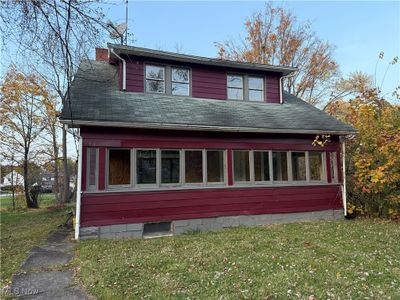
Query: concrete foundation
{"points": [[205, 224]]}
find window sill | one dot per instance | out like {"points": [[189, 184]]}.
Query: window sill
{"points": [[204, 187]]}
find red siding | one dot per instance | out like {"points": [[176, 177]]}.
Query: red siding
{"points": [[207, 82], [129, 207], [273, 93], [118, 208]]}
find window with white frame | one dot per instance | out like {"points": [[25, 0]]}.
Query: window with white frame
{"points": [[119, 167], [215, 166], [241, 166], [235, 87], [299, 172], [316, 165], [193, 166], [256, 88], [280, 166], [92, 163], [334, 169], [180, 81], [261, 166], [155, 79], [146, 166], [170, 166]]}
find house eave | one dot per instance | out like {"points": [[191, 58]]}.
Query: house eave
{"points": [[150, 53], [192, 127]]}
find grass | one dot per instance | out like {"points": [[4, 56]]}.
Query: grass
{"points": [[21, 230], [44, 201], [330, 260]]}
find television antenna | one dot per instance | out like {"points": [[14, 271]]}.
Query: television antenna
{"points": [[118, 31]]}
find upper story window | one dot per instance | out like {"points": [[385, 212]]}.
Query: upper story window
{"points": [[167, 80], [155, 79], [180, 82], [245, 87]]}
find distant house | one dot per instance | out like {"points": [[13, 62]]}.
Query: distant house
{"points": [[12, 179], [48, 181], [172, 142]]}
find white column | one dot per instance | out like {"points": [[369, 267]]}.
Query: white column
{"points": [[344, 191], [78, 191]]}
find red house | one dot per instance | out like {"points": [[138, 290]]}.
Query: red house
{"points": [[171, 143]]}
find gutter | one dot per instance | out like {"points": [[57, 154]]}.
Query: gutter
{"points": [[281, 87], [344, 189], [123, 69], [78, 191], [202, 127]]}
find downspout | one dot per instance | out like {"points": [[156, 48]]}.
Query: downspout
{"points": [[123, 69], [281, 86], [78, 191], [344, 190]]}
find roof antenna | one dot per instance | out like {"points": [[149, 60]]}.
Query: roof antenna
{"points": [[117, 31]]}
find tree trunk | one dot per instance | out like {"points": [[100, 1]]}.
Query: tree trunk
{"points": [[30, 202], [66, 193]]}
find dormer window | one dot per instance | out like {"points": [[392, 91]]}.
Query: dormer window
{"points": [[168, 80], [245, 87], [180, 82], [155, 79]]}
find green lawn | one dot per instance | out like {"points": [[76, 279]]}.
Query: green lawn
{"points": [[21, 231], [330, 260], [44, 201]]}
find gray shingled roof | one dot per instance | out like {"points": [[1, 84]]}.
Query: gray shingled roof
{"points": [[96, 100]]}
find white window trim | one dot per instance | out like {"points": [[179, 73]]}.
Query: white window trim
{"points": [[107, 179], [94, 187]]}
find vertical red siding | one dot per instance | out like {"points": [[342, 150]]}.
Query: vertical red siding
{"points": [[208, 83], [84, 169], [273, 93], [229, 167], [134, 76], [101, 168]]}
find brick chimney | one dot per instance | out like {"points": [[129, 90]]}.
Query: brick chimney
{"points": [[102, 54]]}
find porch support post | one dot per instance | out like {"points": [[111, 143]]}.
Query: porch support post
{"points": [[78, 190], [344, 190]]}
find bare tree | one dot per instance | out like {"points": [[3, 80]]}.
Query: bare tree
{"points": [[56, 35]]}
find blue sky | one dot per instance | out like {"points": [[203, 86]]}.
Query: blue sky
{"points": [[359, 30]]}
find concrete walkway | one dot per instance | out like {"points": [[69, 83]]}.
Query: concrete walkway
{"points": [[38, 280]]}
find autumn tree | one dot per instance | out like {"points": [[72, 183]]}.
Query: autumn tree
{"points": [[21, 99], [373, 164], [275, 37], [53, 37]]}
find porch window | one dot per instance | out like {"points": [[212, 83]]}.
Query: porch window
{"points": [[334, 170], [146, 164], [241, 166], [316, 167], [180, 82], [119, 167], [193, 166], [235, 87], [256, 88], [299, 166], [92, 163], [170, 165], [155, 79], [280, 166], [261, 166], [215, 166]]}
